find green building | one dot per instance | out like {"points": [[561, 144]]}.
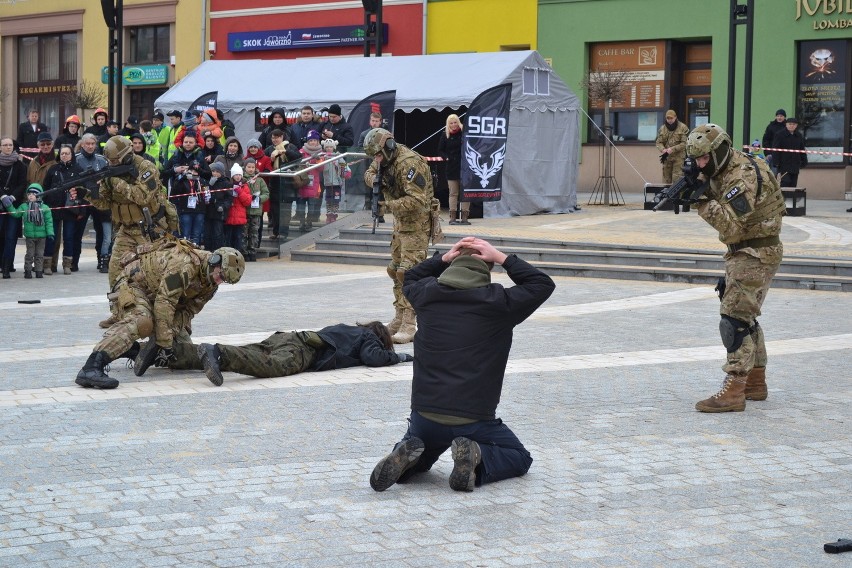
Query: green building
{"points": [[675, 54]]}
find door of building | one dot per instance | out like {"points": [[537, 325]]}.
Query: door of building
{"points": [[142, 102]]}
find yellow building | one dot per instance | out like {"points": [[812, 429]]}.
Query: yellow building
{"points": [[455, 26], [50, 49]]}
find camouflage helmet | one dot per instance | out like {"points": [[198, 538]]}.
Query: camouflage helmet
{"points": [[232, 262], [379, 140], [713, 140], [118, 150]]}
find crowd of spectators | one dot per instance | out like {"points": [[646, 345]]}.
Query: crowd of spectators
{"points": [[214, 179]]}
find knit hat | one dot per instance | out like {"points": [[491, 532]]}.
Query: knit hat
{"points": [[35, 188], [671, 114], [44, 137], [466, 272], [781, 111], [335, 109], [313, 135], [329, 142], [253, 142], [248, 161], [218, 167], [236, 169]]}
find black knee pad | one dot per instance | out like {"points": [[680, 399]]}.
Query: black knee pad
{"points": [[733, 332]]}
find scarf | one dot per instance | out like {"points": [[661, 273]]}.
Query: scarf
{"points": [[34, 214], [9, 160], [465, 273], [672, 126]]}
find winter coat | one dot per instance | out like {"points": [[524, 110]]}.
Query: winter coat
{"points": [[451, 150], [31, 230], [228, 160], [312, 189], [27, 137], [789, 162], [264, 164], [465, 335], [259, 192], [210, 154], [343, 133], [181, 186], [352, 346], [239, 206], [38, 167], [221, 198], [58, 174], [265, 139], [13, 180]]}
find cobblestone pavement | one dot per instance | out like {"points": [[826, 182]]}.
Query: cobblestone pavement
{"points": [[168, 470]]}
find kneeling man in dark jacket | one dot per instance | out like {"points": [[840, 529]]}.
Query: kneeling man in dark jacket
{"points": [[461, 349]]}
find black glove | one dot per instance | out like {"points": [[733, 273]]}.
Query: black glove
{"points": [[165, 355], [663, 158], [405, 357]]}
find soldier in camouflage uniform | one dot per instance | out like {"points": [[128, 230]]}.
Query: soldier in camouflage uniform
{"points": [[126, 196], [745, 204], [671, 142], [160, 289], [407, 188]]}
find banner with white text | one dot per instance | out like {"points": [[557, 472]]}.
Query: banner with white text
{"points": [[484, 145]]}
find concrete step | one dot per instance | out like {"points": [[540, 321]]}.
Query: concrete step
{"points": [[578, 254], [691, 275]]}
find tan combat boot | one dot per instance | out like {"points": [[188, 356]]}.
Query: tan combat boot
{"points": [[731, 398], [107, 323], [66, 264], [396, 322], [406, 331], [755, 388]]}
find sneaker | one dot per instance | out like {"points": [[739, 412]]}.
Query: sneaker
{"points": [[466, 455], [211, 358], [389, 469]]}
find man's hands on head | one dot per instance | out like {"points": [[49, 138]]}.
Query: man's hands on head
{"points": [[484, 250]]}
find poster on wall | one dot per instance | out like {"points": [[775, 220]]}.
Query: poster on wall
{"points": [[821, 97]]}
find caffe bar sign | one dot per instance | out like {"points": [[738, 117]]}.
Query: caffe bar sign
{"points": [[826, 14]]}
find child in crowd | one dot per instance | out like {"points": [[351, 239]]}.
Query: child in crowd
{"points": [[254, 150], [254, 222], [216, 210], [38, 226], [235, 223], [310, 194], [333, 175]]}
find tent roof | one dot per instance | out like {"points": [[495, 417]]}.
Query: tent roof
{"points": [[421, 81]]}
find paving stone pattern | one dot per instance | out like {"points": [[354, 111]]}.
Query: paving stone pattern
{"points": [[168, 470]]}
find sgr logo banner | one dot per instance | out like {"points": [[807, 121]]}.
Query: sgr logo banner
{"points": [[485, 137]]}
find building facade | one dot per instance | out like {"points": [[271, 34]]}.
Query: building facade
{"points": [[52, 51], [276, 29], [459, 26], [679, 59]]}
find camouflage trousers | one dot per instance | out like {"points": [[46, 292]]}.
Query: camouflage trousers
{"points": [[747, 280], [280, 355], [135, 314], [407, 249], [673, 167], [127, 238]]}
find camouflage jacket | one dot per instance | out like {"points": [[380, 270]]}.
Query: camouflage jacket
{"points": [[675, 139], [174, 279], [406, 185], [732, 205], [126, 195]]}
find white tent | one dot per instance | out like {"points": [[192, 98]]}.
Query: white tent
{"points": [[540, 172]]}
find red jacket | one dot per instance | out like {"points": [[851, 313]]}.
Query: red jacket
{"points": [[237, 212], [264, 164]]}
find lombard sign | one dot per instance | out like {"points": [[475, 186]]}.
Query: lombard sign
{"points": [[299, 38], [826, 14], [140, 75]]}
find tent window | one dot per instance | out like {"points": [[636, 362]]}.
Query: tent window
{"points": [[543, 85], [529, 81]]}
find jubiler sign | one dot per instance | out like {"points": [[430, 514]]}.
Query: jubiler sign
{"points": [[484, 147]]}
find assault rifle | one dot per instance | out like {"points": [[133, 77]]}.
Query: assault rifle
{"points": [[91, 177], [377, 196], [685, 191]]}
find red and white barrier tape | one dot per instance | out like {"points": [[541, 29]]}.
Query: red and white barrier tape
{"points": [[825, 152]]}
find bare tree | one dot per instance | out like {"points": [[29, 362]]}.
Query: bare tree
{"points": [[605, 85], [88, 95]]}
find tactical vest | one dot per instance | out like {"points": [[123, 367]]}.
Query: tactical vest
{"points": [[769, 200]]}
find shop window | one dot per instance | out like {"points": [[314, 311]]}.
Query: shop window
{"points": [[821, 97], [149, 44], [627, 126]]}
